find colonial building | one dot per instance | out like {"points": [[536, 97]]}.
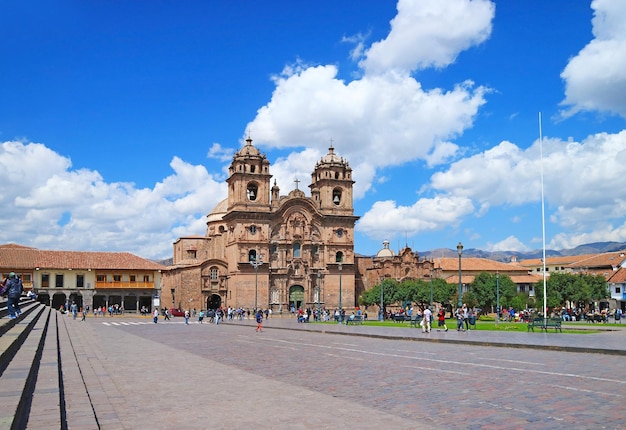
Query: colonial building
{"points": [[93, 279], [266, 250]]}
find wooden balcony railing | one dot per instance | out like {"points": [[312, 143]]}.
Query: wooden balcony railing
{"points": [[125, 284]]}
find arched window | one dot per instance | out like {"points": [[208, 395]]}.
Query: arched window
{"points": [[252, 192], [252, 255], [337, 196], [339, 257], [296, 250]]}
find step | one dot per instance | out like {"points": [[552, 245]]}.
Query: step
{"points": [[19, 375], [47, 411]]}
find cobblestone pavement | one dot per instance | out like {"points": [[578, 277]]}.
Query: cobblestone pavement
{"points": [[301, 376]]}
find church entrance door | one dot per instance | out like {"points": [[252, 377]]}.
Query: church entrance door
{"points": [[296, 297], [214, 301]]}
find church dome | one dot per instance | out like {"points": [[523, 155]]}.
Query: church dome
{"points": [[386, 251], [331, 157], [248, 150], [218, 212]]}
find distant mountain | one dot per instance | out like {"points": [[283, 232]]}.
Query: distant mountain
{"points": [[505, 256], [166, 262]]}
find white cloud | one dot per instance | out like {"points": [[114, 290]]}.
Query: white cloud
{"points": [[595, 78], [385, 219], [218, 152], [428, 33], [43, 198], [511, 243], [581, 183]]}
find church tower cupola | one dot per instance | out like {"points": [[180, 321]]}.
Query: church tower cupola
{"points": [[331, 184], [249, 179]]}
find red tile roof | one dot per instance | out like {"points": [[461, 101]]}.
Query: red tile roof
{"points": [[477, 265], [18, 257]]}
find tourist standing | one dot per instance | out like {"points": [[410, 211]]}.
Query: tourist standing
{"points": [[427, 315], [186, 317], [155, 315]]}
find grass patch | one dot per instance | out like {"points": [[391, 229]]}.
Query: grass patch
{"points": [[483, 324]]}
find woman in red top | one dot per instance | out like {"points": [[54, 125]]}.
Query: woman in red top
{"points": [[441, 320]]}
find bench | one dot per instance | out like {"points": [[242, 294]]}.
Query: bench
{"points": [[416, 320], [554, 323], [354, 319], [544, 324], [401, 317]]}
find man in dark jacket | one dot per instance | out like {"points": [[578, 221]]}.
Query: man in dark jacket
{"points": [[13, 291]]}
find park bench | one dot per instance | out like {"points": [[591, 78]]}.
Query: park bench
{"points": [[544, 324], [554, 323], [416, 320], [354, 319], [401, 317]]}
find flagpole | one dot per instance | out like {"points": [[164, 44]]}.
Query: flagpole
{"points": [[543, 223]]}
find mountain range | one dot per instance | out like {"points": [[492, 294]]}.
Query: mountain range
{"points": [[505, 256]]}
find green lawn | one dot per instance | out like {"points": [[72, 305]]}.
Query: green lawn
{"points": [[484, 326]]}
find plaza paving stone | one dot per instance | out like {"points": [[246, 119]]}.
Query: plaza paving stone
{"points": [[302, 376]]}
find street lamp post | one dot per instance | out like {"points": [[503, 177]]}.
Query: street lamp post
{"points": [[340, 292], [459, 248], [256, 264], [381, 314], [430, 304], [497, 298], [319, 296]]}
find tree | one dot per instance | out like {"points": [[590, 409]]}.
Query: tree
{"points": [[372, 296], [484, 290], [574, 290]]}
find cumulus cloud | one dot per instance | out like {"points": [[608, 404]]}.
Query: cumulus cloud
{"points": [[383, 119], [511, 243], [428, 33], [42, 197], [387, 219], [595, 78]]}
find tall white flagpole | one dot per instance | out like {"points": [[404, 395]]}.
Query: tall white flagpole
{"points": [[543, 223]]}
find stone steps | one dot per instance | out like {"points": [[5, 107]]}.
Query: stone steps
{"points": [[41, 383]]}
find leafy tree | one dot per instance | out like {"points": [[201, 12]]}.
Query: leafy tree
{"points": [[484, 290], [579, 290], [372, 296]]}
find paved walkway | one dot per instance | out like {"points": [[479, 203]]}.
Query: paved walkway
{"points": [[141, 375]]}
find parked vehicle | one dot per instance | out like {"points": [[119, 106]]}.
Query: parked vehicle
{"points": [[177, 312]]}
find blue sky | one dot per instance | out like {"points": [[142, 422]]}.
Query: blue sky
{"points": [[118, 120]]}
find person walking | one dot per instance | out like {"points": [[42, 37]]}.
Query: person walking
{"points": [[13, 290], [427, 316], [441, 320], [74, 309], [186, 317], [166, 314], [155, 315], [83, 314], [259, 321], [459, 319]]}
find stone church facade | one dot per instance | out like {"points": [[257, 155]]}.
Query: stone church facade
{"points": [[266, 250]]}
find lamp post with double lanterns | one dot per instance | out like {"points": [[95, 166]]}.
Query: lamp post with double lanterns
{"points": [[256, 263], [497, 298], [319, 296], [459, 249], [340, 293]]}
